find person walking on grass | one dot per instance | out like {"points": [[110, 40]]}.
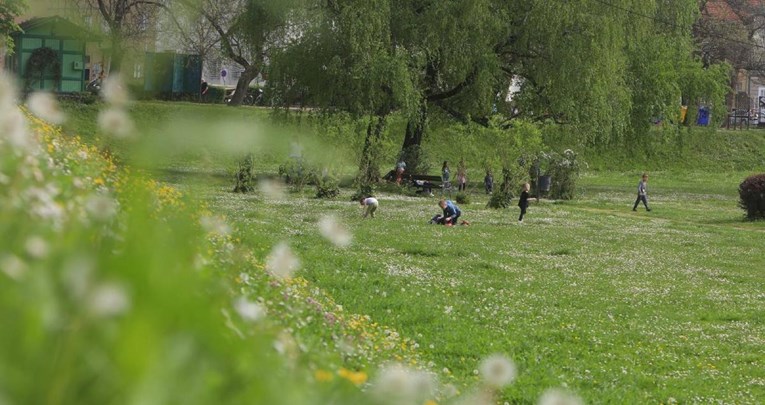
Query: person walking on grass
{"points": [[371, 205], [642, 191], [488, 182], [523, 202], [446, 187], [451, 213], [461, 176]]}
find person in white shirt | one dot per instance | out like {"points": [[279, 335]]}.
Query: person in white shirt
{"points": [[371, 204]]}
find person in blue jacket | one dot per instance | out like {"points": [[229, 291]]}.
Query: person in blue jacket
{"points": [[451, 213]]}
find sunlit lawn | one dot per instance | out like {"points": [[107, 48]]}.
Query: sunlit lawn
{"points": [[620, 306]]}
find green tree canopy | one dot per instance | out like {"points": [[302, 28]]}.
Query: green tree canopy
{"points": [[603, 68], [9, 10]]}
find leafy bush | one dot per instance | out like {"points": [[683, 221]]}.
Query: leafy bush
{"points": [[463, 198], [42, 61], [752, 196], [564, 172], [243, 177], [297, 174], [327, 186], [503, 195]]}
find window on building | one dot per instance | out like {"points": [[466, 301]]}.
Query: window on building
{"points": [[143, 23]]}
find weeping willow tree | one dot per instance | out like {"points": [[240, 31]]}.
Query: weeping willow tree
{"points": [[344, 60], [605, 68], [602, 68]]}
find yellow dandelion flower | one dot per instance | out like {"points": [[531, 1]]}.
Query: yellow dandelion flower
{"points": [[430, 402], [356, 377], [322, 375]]}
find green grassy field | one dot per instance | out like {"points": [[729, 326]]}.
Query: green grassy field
{"points": [[618, 306]]}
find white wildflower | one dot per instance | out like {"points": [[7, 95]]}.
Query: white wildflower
{"points": [[498, 371], [398, 384], [245, 278], [7, 92], [271, 189], [77, 275], [36, 247], [213, 224], [12, 266], [334, 232], [115, 121], [346, 347], [282, 263], [108, 300], [481, 397], [450, 391], [555, 396], [44, 106], [101, 207], [114, 92], [248, 310], [13, 128]]}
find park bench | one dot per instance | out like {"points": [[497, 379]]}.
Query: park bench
{"points": [[425, 184]]}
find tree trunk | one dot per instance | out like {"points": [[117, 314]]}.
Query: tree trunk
{"points": [[117, 55], [243, 85], [369, 172], [411, 148]]}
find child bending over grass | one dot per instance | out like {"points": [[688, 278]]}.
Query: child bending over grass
{"points": [[371, 204]]}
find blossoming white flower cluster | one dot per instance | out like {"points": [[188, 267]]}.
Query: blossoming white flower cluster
{"points": [[44, 105], [13, 126], [398, 384], [498, 371], [282, 263], [555, 396], [249, 311], [271, 189], [115, 119], [215, 225], [334, 231]]}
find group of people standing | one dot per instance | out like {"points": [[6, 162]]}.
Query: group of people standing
{"points": [[461, 175]]}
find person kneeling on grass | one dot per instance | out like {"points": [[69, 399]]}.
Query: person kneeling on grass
{"points": [[451, 213], [371, 204]]}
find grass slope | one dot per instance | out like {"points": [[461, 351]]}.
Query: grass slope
{"points": [[195, 132]]}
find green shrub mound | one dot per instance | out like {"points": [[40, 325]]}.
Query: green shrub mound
{"points": [[752, 196]]}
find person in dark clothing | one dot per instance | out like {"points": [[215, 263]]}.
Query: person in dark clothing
{"points": [[523, 202], [203, 89], [488, 182], [642, 190]]}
